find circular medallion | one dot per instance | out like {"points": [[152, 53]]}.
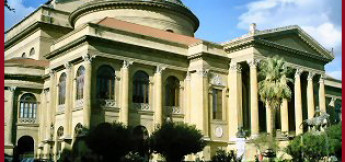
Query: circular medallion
{"points": [[219, 132]]}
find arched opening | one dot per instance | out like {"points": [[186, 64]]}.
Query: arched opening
{"points": [[80, 82], [62, 89], [106, 83], [26, 146], [28, 106], [140, 88], [141, 135], [32, 52], [170, 30]]}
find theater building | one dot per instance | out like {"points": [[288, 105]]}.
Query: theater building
{"points": [[73, 64]]}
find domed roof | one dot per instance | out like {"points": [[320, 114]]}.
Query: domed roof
{"points": [[172, 13]]}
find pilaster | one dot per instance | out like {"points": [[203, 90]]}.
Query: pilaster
{"points": [[9, 123]]}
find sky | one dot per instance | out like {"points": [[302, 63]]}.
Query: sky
{"points": [[223, 20]]}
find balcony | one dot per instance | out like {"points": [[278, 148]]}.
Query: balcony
{"points": [[79, 105]]}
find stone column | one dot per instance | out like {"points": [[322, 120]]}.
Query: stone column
{"points": [[310, 96], [87, 91], [254, 100], [125, 91], [284, 116], [158, 115], [298, 102], [269, 119], [235, 99], [322, 97], [9, 122]]}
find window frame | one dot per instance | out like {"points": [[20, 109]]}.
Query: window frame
{"points": [[28, 108], [141, 85], [80, 81], [109, 83]]}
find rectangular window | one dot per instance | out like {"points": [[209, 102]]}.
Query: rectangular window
{"points": [[217, 104]]}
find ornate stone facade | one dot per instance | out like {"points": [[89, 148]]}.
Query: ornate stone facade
{"points": [[142, 68]]}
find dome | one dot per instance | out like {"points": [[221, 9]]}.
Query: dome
{"points": [[169, 15]]}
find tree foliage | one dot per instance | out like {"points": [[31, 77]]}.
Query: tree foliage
{"points": [[8, 6], [273, 87], [110, 141], [313, 147], [174, 141]]}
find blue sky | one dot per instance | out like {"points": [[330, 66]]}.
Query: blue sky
{"points": [[223, 20]]}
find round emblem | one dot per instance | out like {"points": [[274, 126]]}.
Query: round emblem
{"points": [[219, 132]]}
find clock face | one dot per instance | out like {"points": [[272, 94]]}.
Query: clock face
{"points": [[219, 132]]}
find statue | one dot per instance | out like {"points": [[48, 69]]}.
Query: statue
{"points": [[320, 120]]}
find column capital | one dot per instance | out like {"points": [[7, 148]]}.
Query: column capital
{"points": [[68, 66], [235, 67], [126, 64], [12, 88], [332, 103], [253, 63], [52, 73], [310, 76], [322, 78], [298, 73], [203, 72], [88, 58], [160, 69]]}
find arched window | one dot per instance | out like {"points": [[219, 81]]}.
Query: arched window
{"points": [[62, 89], [28, 106], [106, 83], [32, 51], [140, 87], [78, 129], [80, 82], [172, 92]]}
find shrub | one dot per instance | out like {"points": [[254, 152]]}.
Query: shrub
{"points": [[174, 141]]}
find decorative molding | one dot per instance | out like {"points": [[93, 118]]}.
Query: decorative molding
{"points": [[188, 76], [107, 103], [52, 73], [332, 103], [203, 72], [217, 80], [159, 69], [141, 106], [79, 103], [68, 66], [126, 64]]}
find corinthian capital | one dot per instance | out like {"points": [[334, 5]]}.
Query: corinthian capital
{"points": [[253, 63], [12, 88], [126, 64], [235, 67], [88, 57], [159, 69], [298, 73], [310, 76], [68, 65]]}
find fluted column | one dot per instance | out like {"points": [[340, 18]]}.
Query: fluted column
{"points": [[254, 100], [87, 91], [310, 96], [235, 99], [158, 96], [284, 116], [124, 91], [298, 102], [322, 97], [9, 122]]}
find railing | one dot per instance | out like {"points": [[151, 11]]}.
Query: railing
{"points": [[107, 103], [141, 106], [27, 121], [173, 110]]}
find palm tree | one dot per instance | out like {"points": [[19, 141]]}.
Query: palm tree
{"points": [[273, 86]]}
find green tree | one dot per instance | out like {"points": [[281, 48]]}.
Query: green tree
{"points": [[273, 86], [110, 141], [174, 141], [8, 6]]}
